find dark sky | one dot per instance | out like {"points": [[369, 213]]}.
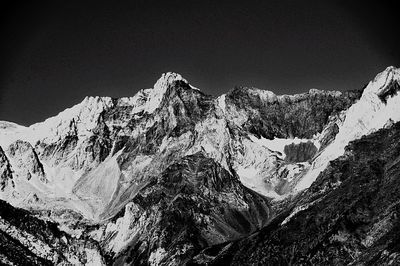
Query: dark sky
{"points": [[53, 53]]}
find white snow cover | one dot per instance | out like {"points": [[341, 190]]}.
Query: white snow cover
{"points": [[10, 132], [84, 114], [125, 228], [148, 100], [367, 115], [295, 211], [222, 103], [156, 256], [278, 144]]}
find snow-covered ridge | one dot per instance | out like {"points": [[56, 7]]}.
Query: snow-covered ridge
{"points": [[269, 96], [278, 144], [84, 115], [148, 100]]}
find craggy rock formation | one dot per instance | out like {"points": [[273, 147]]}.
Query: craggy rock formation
{"points": [[349, 216], [302, 152], [26, 159], [5, 171], [288, 116]]}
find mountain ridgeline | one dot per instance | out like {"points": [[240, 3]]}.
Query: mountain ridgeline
{"points": [[172, 176]]}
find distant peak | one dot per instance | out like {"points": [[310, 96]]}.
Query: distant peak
{"points": [[167, 79], [391, 69]]}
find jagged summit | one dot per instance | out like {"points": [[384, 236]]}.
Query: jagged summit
{"points": [[167, 79], [385, 84]]}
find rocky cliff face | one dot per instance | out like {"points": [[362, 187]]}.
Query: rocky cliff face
{"points": [[170, 175], [25, 159], [287, 116], [5, 171]]}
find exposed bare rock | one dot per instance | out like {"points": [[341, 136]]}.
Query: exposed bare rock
{"points": [[287, 116], [302, 152], [6, 177], [24, 158]]}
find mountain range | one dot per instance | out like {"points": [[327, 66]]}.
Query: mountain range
{"points": [[173, 176]]}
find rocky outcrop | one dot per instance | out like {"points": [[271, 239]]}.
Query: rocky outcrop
{"points": [[302, 152], [25, 159], [6, 177]]}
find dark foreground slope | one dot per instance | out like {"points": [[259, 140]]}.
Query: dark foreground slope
{"points": [[349, 216], [27, 240]]}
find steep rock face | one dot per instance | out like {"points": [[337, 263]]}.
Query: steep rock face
{"points": [[192, 204], [285, 116], [25, 159], [302, 152], [5, 171], [349, 216]]}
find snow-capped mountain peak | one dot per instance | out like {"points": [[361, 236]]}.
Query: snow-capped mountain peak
{"points": [[167, 79], [84, 116], [155, 95], [385, 84]]}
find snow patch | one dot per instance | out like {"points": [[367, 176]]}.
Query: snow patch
{"points": [[222, 103], [157, 256], [253, 179], [278, 144], [295, 211]]}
